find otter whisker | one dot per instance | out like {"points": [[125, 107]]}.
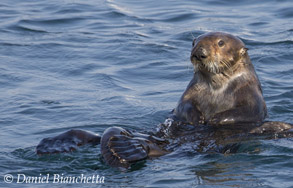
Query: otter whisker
{"points": [[216, 68], [223, 62], [211, 66], [226, 63]]}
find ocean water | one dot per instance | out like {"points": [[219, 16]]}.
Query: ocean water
{"points": [[93, 64]]}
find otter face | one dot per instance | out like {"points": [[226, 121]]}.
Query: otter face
{"points": [[216, 52]]}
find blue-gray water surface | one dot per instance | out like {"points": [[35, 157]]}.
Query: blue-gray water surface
{"points": [[92, 64]]}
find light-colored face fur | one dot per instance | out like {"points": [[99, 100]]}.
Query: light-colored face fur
{"points": [[215, 52]]}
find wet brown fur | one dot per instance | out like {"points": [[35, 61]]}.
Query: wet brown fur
{"points": [[225, 88]]}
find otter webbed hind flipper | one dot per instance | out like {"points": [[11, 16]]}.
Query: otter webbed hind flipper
{"points": [[120, 148], [66, 142]]}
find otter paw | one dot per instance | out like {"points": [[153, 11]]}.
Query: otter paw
{"points": [[217, 120], [201, 120]]}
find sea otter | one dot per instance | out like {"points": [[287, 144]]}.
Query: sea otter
{"points": [[223, 98], [225, 88]]}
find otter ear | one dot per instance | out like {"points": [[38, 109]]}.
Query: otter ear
{"points": [[243, 51], [193, 42]]}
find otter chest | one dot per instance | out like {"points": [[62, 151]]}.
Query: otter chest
{"points": [[211, 101]]}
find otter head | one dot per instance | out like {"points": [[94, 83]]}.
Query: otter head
{"points": [[216, 52]]}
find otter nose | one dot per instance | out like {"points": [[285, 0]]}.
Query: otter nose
{"points": [[201, 53]]}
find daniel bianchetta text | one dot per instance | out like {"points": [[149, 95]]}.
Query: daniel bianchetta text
{"points": [[54, 178]]}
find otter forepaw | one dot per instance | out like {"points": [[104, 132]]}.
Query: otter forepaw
{"points": [[201, 120], [219, 120]]}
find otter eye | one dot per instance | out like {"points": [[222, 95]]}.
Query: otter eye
{"points": [[221, 43]]}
